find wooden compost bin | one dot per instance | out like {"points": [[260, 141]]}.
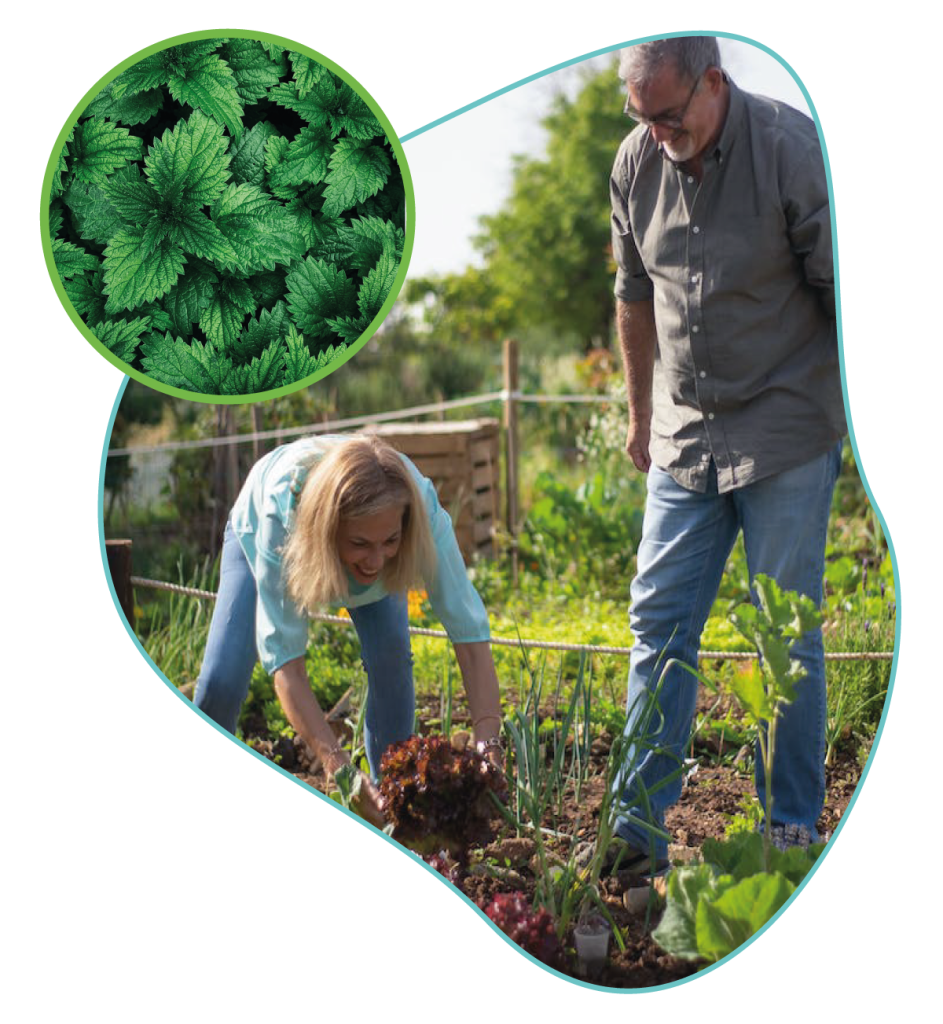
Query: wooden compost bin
{"points": [[461, 459]]}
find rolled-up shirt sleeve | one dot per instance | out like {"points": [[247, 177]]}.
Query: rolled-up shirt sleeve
{"points": [[452, 595], [632, 280]]}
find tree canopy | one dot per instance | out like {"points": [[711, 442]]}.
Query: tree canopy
{"points": [[546, 252]]}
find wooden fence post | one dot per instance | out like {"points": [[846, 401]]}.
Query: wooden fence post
{"points": [[511, 387], [119, 565]]}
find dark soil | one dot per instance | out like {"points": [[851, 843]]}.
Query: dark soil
{"points": [[718, 789]]}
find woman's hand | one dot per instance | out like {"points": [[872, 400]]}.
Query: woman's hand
{"points": [[368, 803]]}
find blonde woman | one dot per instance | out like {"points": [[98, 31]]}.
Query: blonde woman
{"points": [[342, 520]]}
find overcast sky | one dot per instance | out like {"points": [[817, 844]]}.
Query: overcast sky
{"points": [[461, 168]]}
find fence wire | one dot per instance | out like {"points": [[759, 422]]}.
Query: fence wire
{"points": [[546, 645]]}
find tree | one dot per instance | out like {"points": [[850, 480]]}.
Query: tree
{"points": [[548, 249]]}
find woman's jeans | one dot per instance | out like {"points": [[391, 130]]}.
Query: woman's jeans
{"points": [[231, 654], [686, 540]]}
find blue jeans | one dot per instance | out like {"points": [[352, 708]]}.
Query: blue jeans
{"points": [[686, 540], [231, 654]]}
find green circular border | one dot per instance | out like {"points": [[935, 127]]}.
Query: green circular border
{"points": [[398, 281]]}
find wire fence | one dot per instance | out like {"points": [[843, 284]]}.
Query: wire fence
{"points": [[547, 645], [197, 476]]}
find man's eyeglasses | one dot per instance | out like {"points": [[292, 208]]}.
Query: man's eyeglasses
{"points": [[673, 121]]}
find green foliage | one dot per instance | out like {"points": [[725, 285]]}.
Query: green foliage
{"points": [[546, 252], [213, 185], [715, 905]]}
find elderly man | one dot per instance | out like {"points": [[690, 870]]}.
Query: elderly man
{"points": [[726, 318]]}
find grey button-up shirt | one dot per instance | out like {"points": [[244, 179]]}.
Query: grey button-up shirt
{"points": [[740, 271]]}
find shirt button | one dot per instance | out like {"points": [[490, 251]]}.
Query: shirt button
{"points": [[696, 229], [690, 179], [710, 415], [695, 329], [702, 375], [694, 279]]}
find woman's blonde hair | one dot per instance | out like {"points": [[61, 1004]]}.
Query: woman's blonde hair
{"points": [[360, 476]]}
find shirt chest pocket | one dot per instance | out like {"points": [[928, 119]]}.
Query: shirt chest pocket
{"points": [[746, 256]]}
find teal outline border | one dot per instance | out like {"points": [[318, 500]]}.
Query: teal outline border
{"points": [[395, 288], [867, 487]]}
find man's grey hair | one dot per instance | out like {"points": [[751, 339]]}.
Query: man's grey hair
{"points": [[690, 55]]}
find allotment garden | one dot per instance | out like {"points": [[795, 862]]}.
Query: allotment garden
{"points": [[514, 844]]}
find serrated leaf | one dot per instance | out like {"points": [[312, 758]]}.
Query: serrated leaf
{"points": [[71, 260], [195, 233], [208, 84], [299, 362], [275, 149], [223, 317], [315, 107], [374, 234], [306, 72], [190, 165], [377, 285], [147, 74], [359, 169], [267, 287], [121, 337], [252, 68], [93, 214], [248, 154], [131, 196], [134, 275], [257, 227], [100, 147], [114, 103], [318, 292], [304, 162], [352, 114], [349, 328], [174, 362], [191, 294], [85, 294], [55, 219], [271, 325], [60, 176], [264, 373]]}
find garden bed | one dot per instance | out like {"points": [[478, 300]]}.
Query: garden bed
{"points": [[717, 792]]}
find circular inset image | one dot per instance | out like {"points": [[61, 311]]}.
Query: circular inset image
{"points": [[227, 214]]}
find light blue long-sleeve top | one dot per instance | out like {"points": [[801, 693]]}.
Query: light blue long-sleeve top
{"points": [[262, 518]]}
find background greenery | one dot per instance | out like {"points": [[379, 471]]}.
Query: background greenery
{"points": [[545, 277]]}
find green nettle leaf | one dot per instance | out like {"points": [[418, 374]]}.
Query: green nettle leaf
{"points": [[174, 362], [130, 196], [134, 275], [195, 233], [205, 247], [222, 319], [377, 285], [252, 68], [209, 85], [353, 115], [271, 325], [190, 165], [121, 337], [132, 109], [248, 154], [191, 294], [299, 362], [71, 260], [262, 374], [307, 73], [305, 160], [315, 107], [85, 294], [359, 169], [317, 292], [260, 230], [100, 147]]}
